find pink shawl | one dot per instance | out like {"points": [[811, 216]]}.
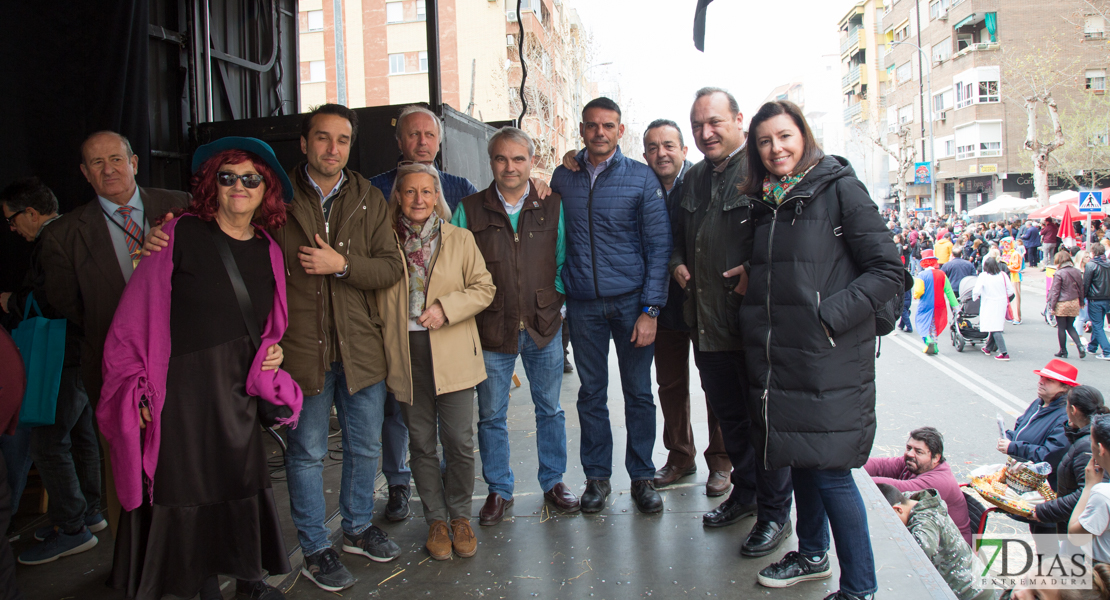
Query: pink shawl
{"points": [[136, 362]]}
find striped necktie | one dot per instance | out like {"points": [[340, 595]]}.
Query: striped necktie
{"points": [[134, 231]]}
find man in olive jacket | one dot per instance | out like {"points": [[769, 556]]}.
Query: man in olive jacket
{"points": [[338, 248], [523, 241], [710, 239]]}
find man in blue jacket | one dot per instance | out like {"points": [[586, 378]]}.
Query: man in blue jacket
{"points": [[618, 241]]}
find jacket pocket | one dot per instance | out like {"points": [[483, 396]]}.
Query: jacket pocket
{"points": [[491, 322], [732, 311], [548, 303]]}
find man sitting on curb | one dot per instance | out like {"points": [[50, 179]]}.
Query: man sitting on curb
{"points": [[923, 467]]}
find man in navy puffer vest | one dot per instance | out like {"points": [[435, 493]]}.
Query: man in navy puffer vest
{"points": [[615, 276]]}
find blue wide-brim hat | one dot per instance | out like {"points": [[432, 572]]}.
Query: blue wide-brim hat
{"points": [[254, 146]]}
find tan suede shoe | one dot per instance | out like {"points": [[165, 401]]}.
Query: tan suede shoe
{"points": [[465, 542], [439, 541]]}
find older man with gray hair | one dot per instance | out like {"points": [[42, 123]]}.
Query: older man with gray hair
{"points": [[523, 241]]}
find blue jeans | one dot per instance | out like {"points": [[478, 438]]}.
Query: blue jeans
{"points": [[907, 317], [544, 368], [395, 444], [1096, 310], [830, 497], [360, 421], [592, 323]]}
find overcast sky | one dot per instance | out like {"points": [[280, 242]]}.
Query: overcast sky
{"points": [[750, 48]]}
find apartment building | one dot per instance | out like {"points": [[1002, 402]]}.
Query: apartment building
{"points": [[862, 75], [374, 53], [946, 66]]}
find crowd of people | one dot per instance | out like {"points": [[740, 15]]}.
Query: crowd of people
{"points": [[270, 295]]}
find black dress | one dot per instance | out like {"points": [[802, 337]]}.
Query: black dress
{"points": [[213, 510]]}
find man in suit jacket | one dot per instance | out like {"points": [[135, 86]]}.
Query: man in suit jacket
{"points": [[90, 253]]}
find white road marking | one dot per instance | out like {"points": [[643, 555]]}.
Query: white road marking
{"points": [[943, 368]]}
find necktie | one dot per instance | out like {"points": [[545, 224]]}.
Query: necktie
{"points": [[134, 232]]}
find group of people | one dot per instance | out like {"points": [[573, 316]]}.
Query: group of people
{"points": [[270, 295]]}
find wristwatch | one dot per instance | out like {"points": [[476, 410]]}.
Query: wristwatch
{"points": [[346, 269], [651, 311]]}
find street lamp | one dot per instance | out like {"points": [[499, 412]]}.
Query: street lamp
{"points": [[931, 149]]}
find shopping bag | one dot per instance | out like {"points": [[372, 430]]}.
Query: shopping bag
{"points": [[42, 344]]}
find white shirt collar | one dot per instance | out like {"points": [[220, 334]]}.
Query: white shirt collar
{"points": [[509, 208]]}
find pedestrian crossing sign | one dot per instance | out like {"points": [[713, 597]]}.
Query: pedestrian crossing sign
{"points": [[1090, 201]]}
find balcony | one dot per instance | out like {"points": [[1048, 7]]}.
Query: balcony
{"points": [[855, 113], [854, 39], [851, 78], [977, 47]]}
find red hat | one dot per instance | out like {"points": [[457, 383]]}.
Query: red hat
{"points": [[927, 255], [1059, 371]]}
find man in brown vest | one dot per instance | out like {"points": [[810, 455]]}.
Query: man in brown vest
{"points": [[523, 241]]}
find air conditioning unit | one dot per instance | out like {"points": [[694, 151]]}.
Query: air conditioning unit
{"points": [[511, 16], [510, 41], [943, 16], [940, 115]]}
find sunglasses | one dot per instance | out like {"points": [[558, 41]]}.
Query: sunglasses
{"points": [[11, 219], [250, 180]]}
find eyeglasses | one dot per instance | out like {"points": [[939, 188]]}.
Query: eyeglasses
{"points": [[250, 180], [11, 219]]}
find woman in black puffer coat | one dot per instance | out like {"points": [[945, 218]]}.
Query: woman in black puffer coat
{"points": [[1084, 402], [808, 322]]}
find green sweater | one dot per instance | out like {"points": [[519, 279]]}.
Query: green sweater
{"points": [[459, 220]]}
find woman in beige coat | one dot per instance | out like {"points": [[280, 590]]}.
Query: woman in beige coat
{"points": [[433, 353]]}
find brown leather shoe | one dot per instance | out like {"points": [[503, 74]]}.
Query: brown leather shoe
{"points": [[670, 474], [493, 510], [562, 498], [439, 541], [465, 542], [719, 483]]}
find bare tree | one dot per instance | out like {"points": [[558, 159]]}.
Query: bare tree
{"points": [[1033, 76], [904, 153], [1086, 124]]}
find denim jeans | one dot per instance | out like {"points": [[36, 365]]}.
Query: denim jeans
{"points": [[1096, 310], [360, 422], [907, 316], [830, 497], [395, 444], [17, 460], [544, 368], [592, 323], [67, 455]]}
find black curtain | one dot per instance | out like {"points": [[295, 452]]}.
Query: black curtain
{"points": [[71, 67]]}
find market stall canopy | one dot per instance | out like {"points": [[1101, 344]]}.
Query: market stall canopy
{"points": [[1005, 205]]}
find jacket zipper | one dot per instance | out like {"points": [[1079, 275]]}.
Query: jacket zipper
{"points": [[822, 325], [590, 216]]}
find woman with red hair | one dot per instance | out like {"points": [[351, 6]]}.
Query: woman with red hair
{"points": [[190, 375]]}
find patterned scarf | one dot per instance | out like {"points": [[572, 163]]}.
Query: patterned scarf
{"points": [[417, 242], [775, 189]]}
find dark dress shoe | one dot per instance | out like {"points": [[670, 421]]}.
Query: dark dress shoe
{"points": [[727, 513], [562, 498], [670, 474], [398, 507], [593, 499], [493, 510], [718, 483], [765, 537], [646, 498]]}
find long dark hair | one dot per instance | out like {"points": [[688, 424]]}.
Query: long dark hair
{"points": [[753, 185], [1087, 400]]}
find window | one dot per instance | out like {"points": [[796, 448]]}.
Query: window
{"points": [[905, 73], [979, 139], [990, 139], [423, 62], [963, 40], [1094, 27], [902, 32], [1099, 139], [394, 12], [942, 51], [315, 20], [891, 119], [945, 147], [977, 86], [1096, 80], [938, 9], [421, 10], [905, 114], [943, 100], [396, 64], [949, 147], [316, 71], [988, 91]]}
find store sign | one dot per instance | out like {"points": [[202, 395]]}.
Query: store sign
{"points": [[988, 168], [922, 173], [973, 169]]}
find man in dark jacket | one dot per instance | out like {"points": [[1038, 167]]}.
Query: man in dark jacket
{"points": [[957, 268], [714, 236], [523, 241], [615, 275], [665, 153], [1031, 239], [1096, 286], [66, 453]]}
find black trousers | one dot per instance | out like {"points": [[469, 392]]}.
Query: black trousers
{"points": [[8, 589], [724, 380]]}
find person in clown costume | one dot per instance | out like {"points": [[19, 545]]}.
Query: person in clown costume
{"points": [[934, 294]]}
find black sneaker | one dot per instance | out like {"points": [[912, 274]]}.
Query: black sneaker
{"points": [[256, 590], [398, 507], [794, 568], [325, 570], [372, 543]]}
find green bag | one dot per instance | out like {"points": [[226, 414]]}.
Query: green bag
{"points": [[42, 343]]}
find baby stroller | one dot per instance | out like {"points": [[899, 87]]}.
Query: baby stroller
{"points": [[965, 324]]}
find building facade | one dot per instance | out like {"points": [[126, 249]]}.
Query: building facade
{"points": [[862, 77], [374, 53], [955, 65]]}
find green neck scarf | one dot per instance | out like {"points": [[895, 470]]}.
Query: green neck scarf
{"points": [[775, 189]]}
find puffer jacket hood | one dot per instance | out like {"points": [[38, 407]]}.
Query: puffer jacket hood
{"points": [[808, 321]]}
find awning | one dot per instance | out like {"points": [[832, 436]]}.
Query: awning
{"points": [[967, 20]]}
